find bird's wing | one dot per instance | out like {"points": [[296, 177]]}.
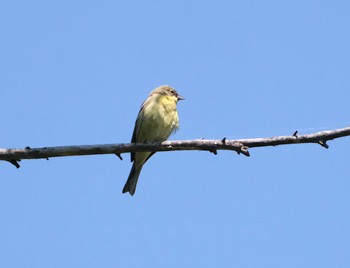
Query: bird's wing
{"points": [[138, 125]]}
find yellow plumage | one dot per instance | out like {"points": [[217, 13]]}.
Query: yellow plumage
{"points": [[155, 122]]}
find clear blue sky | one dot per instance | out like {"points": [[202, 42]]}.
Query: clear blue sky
{"points": [[76, 72]]}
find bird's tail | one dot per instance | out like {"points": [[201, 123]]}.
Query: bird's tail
{"points": [[130, 185]]}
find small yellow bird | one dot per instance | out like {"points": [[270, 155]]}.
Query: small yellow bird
{"points": [[156, 120]]}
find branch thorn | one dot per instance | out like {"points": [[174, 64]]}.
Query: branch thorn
{"points": [[295, 134], [119, 156], [15, 162], [223, 140], [323, 144], [214, 151], [243, 150]]}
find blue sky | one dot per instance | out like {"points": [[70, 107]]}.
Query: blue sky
{"points": [[76, 72]]}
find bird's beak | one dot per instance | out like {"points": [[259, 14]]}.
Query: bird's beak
{"points": [[179, 97]]}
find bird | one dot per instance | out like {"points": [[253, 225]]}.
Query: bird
{"points": [[156, 121]]}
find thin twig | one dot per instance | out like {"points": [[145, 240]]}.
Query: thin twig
{"points": [[241, 146]]}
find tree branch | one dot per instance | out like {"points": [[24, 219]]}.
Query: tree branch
{"points": [[240, 146]]}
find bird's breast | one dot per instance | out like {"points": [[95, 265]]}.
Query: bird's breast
{"points": [[161, 119]]}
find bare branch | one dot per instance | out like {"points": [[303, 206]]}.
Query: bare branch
{"points": [[240, 146]]}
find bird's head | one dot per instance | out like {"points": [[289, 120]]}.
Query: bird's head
{"points": [[167, 91]]}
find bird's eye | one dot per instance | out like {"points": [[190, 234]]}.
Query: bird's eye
{"points": [[172, 92]]}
